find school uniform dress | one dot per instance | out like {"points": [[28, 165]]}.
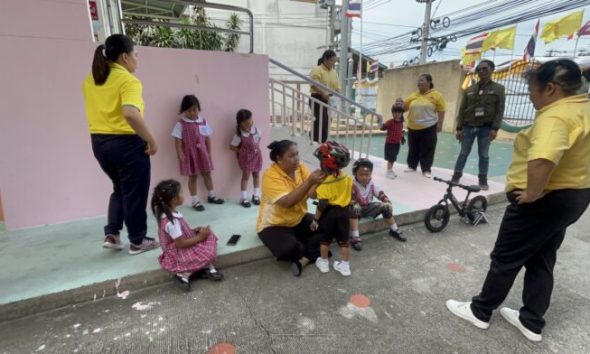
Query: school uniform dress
{"points": [[189, 259], [363, 196], [249, 154], [193, 134]]}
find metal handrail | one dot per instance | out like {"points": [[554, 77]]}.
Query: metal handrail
{"points": [[200, 3], [323, 87]]}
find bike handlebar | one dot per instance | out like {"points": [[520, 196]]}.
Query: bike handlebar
{"points": [[452, 184]]}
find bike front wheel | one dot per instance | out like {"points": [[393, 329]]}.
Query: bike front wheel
{"points": [[437, 218]]}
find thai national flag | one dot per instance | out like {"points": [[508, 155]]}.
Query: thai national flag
{"points": [[475, 44], [375, 66], [529, 51], [354, 10]]}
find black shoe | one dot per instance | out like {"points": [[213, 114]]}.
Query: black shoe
{"points": [[183, 282], [398, 235], [357, 245], [215, 200], [198, 207], [245, 203], [483, 182], [255, 200], [456, 177], [296, 268], [208, 274]]}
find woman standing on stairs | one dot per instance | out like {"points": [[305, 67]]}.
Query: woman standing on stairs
{"points": [[326, 75]]}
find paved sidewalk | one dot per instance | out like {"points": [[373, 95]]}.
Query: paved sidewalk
{"points": [[261, 308]]}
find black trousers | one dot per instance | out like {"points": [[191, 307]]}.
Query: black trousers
{"points": [[421, 148], [529, 236], [123, 159], [320, 113], [292, 243]]}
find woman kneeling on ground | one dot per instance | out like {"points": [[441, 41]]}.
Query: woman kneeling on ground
{"points": [[283, 221]]}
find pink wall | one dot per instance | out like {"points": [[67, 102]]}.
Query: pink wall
{"points": [[47, 171]]}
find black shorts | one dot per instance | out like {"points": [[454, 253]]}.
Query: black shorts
{"points": [[391, 151], [334, 224]]}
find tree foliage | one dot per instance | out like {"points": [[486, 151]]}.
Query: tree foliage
{"points": [[175, 37]]}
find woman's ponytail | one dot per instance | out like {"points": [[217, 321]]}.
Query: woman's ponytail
{"points": [[100, 66]]}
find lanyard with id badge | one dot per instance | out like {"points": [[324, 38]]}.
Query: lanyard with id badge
{"points": [[480, 110]]}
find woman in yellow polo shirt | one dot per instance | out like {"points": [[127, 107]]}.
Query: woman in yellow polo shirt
{"points": [[121, 141], [283, 222], [326, 75], [548, 187], [426, 109]]}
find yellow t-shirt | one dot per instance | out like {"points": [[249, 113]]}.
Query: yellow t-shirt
{"points": [[560, 134], [423, 109], [336, 190], [104, 103], [327, 77], [275, 185]]}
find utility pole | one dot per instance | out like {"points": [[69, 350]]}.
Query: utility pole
{"points": [[332, 31], [425, 30], [344, 45]]}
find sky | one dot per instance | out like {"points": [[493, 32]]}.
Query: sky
{"points": [[400, 16]]}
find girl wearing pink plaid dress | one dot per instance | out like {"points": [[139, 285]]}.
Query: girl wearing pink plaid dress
{"points": [[184, 250], [193, 148], [246, 143]]}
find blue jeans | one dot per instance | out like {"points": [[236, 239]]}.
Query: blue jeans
{"points": [[483, 146]]}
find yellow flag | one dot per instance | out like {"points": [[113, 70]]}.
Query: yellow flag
{"points": [[469, 58], [368, 67], [503, 38], [562, 27]]}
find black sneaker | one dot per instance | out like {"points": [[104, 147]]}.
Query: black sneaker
{"points": [[215, 200], [456, 177], [198, 206], [255, 200], [209, 274], [356, 244], [183, 282], [245, 203], [398, 235]]}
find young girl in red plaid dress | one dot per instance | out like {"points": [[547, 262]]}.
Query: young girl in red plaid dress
{"points": [[184, 250], [193, 148], [246, 143]]}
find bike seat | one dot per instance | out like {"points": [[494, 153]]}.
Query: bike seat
{"points": [[473, 188]]}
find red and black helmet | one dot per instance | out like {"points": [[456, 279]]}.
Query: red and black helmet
{"points": [[333, 156]]}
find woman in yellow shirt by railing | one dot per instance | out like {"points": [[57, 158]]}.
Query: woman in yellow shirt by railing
{"points": [[548, 187], [121, 141]]}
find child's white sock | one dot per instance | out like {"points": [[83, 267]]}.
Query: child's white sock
{"points": [[355, 234], [211, 193], [195, 199], [257, 192], [212, 268], [394, 227], [244, 195], [345, 263]]}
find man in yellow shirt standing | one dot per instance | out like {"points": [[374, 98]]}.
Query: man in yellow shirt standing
{"points": [[548, 186], [121, 141], [326, 75]]}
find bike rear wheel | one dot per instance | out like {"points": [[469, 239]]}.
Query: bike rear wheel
{"points": [[437, 218], [478, 203]]}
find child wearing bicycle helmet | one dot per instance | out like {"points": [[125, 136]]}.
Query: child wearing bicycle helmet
{"points": [[363, 192], [332, 214]]}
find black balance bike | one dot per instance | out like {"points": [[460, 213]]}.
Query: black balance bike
{"points": [[471, 211]]}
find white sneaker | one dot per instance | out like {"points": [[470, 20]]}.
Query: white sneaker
{"points": [[427, 174], [390, 174], [463, 310], [513, 317], [410, 170], [342, 269], [322, 264]]}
